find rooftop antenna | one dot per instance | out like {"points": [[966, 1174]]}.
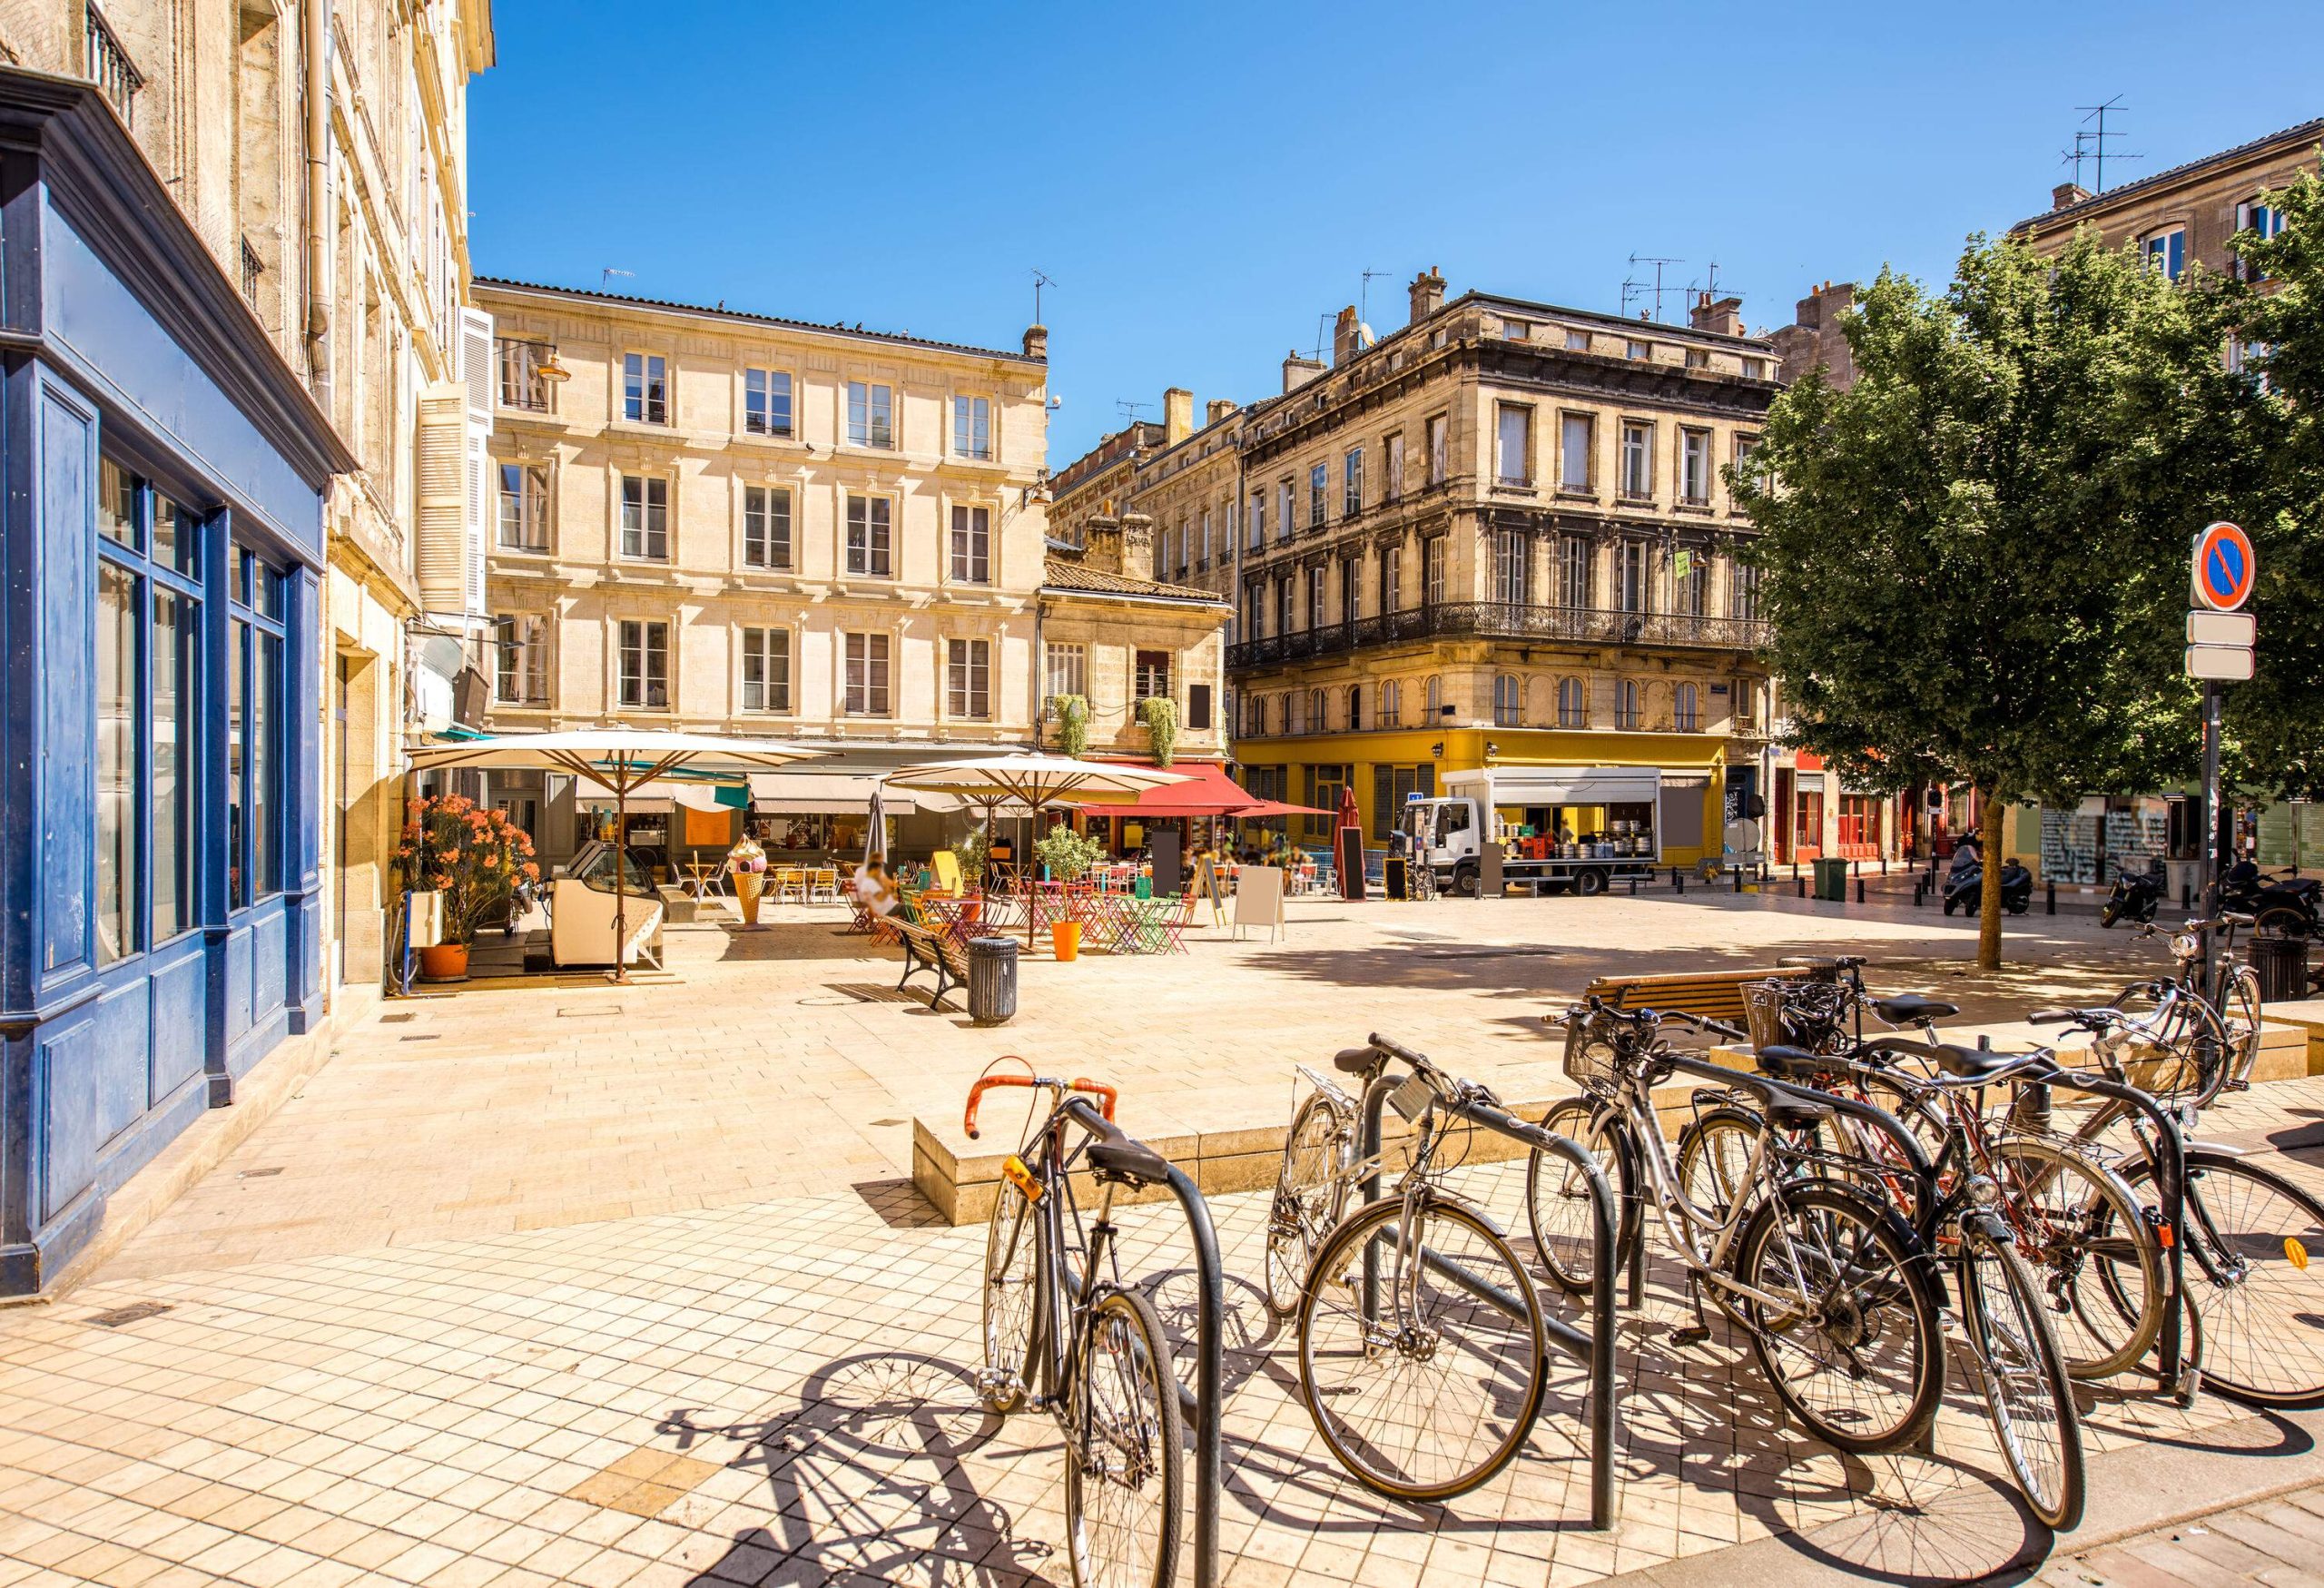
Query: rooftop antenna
{"points": [[1658, 262], [2098, 138], [2076, 155], [1129, 410], [1039, 280], [1363, 295], [606, 278], [1323, 335]]}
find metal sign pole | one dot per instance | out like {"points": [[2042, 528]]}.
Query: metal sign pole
{"points": [[2219, 836]]}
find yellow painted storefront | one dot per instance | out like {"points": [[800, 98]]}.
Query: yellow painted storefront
{"points": [[1466, 749]]}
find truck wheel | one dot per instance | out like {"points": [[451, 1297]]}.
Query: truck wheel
{"points": [[1590, 883], [1464, 882]]}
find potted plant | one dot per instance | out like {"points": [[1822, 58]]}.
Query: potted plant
{"points": [[1159, 713], [1067, 858], [1072, 723], [973, 852], [475, 858]]}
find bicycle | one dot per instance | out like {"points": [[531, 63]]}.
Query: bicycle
{"points": [[1427, 1391], [1085, 1348], [1838, 1301]]}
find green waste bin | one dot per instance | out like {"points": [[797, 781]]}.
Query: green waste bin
{"points": [[1832, 881]]}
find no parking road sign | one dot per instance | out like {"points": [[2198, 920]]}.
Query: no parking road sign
{"points": [[2224, 568]]}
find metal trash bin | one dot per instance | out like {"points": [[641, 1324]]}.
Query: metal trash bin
{"points": [[1832, 881], [993, 980], [2281, 961]]}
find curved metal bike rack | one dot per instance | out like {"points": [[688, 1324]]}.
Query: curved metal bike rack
{"points": [[1204, 1402]]}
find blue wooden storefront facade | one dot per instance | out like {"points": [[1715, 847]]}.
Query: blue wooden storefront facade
{"points": [[163, 475]]}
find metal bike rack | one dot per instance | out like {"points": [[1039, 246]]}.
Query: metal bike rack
{"points": [[1595, 1350], [1205, 1399]]}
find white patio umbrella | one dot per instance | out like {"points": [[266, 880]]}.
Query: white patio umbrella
{"points": [[622, 759], [1033, 781]]}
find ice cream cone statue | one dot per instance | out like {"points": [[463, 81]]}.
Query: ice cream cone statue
{"points": [[747, 862]]}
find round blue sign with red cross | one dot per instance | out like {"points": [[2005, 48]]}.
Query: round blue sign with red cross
{"points": [[2224, 568]]}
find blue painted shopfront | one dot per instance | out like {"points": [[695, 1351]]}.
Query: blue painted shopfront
{"points": [[164, 474]]}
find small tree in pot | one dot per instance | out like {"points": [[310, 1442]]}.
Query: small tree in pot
{"points": [[474, 859]]}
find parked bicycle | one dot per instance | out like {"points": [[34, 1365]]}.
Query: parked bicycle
{"points": [[1083, 1345]]}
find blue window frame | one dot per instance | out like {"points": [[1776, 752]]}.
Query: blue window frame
{"points": [[2167, 251], [148, 714], [255, 828]]}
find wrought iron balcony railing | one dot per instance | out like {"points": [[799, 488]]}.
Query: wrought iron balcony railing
{"points": [[1504, 620]]}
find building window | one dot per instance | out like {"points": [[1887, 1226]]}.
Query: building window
{"points": [[1391, 711], [1633, 575], [767, 402], [968, 679], [1573, 570], [1694, 467], [521, 385], [1638, 460], [2166, 251], [1204, 560], [644, 518], [1391, 580], [1510, 549], [1746, 447], [1573, 704], [254, 719], [1317, 709], [868, 545], [1435, 695], [1258, 716], [1697, 358], [972, 429], [1635, 348], [1859, 821], [1743, 590], [520, 651], [645, 389], [1351, 483], [524, 507], [121, 757], [766, 669], [1355, 708], [1513, 444], [1318, 480], [1575, 436], [645, 665], [1283, 605], [1153, 676], [1392, 450], [1197, 707], [871, 415], [972, 545], [767, 527], [1315, 598], [1755, 369], [1067, 668], [1628, 713], [1507, 701], [1286, 516], [1255, 612], [1439, 449], [1392, 788], [1686, 710], [110, 67], [2262, 222], [1690, 581], [1431, 572], [1577, 341], [1258, 520], [867, 674]]}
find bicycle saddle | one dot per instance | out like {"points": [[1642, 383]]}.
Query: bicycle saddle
{"points": [[1789, 1063], [1789, 1113], [1974, 1063], [1129, 1160], [1355, 1060], [1911, 1009]]}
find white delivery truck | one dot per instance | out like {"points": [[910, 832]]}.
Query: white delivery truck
{"points": [[1578, 827]]}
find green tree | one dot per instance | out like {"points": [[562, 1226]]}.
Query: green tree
{"points": [[1964, 554]]}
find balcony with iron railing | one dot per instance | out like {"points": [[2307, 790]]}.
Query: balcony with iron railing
{"points": [[1503, 620]]}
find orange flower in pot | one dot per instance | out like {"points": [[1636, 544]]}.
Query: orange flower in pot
{"points": [[474, 859]]}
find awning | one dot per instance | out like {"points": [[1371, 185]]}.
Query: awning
{"points": [[659, 796], [826, 793], [1207, 791]]}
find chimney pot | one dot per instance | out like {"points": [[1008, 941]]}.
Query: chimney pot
{"points": [[1298, 370], [2067, 194], [1216, 409], [1427, 293], [1037, 341], [1177, 415]]}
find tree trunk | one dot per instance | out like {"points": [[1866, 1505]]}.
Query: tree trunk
{"points": [[1989, 825]]}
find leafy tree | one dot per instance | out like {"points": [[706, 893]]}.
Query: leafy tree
{"points": [[1966, 555]]}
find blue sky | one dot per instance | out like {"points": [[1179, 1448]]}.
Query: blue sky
{"points": [[1205, 183]]}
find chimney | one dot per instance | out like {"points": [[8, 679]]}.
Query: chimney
{"points": [[1723, 318], [2067, 194], [1177, 415], [1037, 341], [1136, 544], [1347, 340], [1298, 370], [1216, 409], [1428, 293]]}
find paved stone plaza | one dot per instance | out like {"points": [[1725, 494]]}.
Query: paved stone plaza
{"points": [[570, 1283]]}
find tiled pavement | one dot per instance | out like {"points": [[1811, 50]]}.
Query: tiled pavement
{"points": [[2277, 1543], [775, 1388]]}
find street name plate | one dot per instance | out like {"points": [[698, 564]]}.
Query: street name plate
{"points": [[2224, 664], [2222, 629]]}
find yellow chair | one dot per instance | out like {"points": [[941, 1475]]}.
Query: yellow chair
{"points": [[947, 866]]}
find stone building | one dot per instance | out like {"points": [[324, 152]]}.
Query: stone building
{"points": [[1117, 638], [1814, 339]]}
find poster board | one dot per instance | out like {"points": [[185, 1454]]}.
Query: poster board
{"points": [[1209, 884], [1258, 898]]}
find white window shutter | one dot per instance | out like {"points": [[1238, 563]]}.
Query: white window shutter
{"points": [[444, 495]]}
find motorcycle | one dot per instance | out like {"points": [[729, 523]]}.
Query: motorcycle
{"points": [[1964, 888], [2285, 903], [2135, 896]]}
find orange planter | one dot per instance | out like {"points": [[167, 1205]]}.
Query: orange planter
{"points": [[1065, 937], [444, 962]]}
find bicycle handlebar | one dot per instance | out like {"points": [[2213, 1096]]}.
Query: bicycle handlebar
{"points": [[1705, 1024], [987, 1082]]}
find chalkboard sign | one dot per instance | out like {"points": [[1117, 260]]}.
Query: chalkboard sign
{"points": [[1209, 884]]}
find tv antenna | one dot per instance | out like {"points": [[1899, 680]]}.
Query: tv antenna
{"points": [[605, 278], [2097, 139], [1635, 288], [1129, 410], [1363, 295], [1039, 280]]}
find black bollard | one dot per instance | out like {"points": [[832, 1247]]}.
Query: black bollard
{"points": [[1920, 894], [1798, 884], [1859, 889], [2050, 897], [1739, 878]]}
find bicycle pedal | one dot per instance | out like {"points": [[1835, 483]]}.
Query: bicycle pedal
{"points": [[1689, 1334]]}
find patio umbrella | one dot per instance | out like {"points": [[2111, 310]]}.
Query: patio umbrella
{"points": [[1035, 781], [875, 837], [622, 759]]}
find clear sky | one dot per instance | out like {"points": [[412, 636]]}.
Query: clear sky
{"points": [[1207, 183]]}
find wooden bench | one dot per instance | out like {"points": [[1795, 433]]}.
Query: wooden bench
{"points": [[1709, 994], [929, 950]]}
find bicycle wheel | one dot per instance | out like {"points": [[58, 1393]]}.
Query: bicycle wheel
{"points": [[2263, 1328], [1423, 1385], [2099, 1262], [1557, 1197], [2027, 1393], [1850, 1345], [1125, 1490], [1715, 1158], [1011, 1277], [1314, 1153]]}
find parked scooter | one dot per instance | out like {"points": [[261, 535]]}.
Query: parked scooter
{"points": [[2135, 896], [1964, 888], [2285, 902]]}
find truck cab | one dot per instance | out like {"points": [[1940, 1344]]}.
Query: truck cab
{"points": [[1558, 828]]}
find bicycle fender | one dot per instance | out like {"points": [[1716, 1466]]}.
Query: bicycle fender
{"points": [[2217, 1149]]}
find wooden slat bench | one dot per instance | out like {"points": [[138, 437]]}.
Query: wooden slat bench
{"points": [[929, 950], [1710, 994]]}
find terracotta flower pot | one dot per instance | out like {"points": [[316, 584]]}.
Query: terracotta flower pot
{"points": [[971, 911], [1065, 937], [444, 962]]}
